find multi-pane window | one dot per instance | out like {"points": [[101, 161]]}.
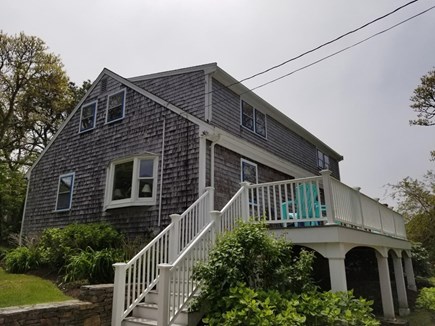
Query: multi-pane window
{"points": [[132, 182], [253, 119], [115, 106], [248, 171], [87, 116], [322, 160], [64, 192]]}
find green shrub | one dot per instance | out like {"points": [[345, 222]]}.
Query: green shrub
{"points": [[246, 306], [249, 255], [93, 266], [249, 307], [420, 260], [426, 299], [21, 259], [252, 278], [58, 245]]}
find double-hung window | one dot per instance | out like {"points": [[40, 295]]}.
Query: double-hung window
{"points": [[87, 116], [64, 192], [132, 182], [253, 119], [115, 106], [322, 160]]}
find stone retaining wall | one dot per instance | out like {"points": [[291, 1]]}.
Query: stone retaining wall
{"points": [[93, 309]]}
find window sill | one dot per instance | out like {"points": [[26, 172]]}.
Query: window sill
{"points": [[130, 204]]}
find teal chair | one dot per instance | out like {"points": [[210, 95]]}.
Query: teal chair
{"points": [[306, 205]]}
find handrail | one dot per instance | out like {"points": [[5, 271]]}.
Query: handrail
{"points": [[134, 279]]}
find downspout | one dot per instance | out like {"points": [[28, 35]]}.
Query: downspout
{"points": [[20, 241], [214, 139], [212, 164], [161, 171]]}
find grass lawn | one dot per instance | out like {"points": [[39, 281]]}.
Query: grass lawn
{"points": [[420, 318], [20, 289]]}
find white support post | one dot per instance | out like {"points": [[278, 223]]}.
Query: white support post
{"points": [[163, 295], [211, 197], [118, 302], [327, 187], [245, 201], [400, 286], [385, 283], [409, 271], [174, 237], [337, 274], [216, 216]]}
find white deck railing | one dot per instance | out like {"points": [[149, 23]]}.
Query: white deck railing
{"points": [[321, 200], [169, 259]]}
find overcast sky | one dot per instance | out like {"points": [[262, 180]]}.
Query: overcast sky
{"points": [[357, 102]]}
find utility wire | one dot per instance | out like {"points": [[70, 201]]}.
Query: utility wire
{"points": [[340, 51], [324, 44], [305, 53]]}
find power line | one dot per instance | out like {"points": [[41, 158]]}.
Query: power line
{"points": [[324, 44], [342, 50]]}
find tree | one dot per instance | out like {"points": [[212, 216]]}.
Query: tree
{"points": [[36, 96], [415, 197], [423, 102], [416, 201]]}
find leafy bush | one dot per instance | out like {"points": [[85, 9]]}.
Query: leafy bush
{"points": [[420, 260], [250, 307], [94, 266], [426, 299], [251, 256], [57, 245], [252, 278], [340, 308], [21, 259]]}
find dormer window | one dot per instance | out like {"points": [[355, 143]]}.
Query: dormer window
{"points": [[253, 119], [115, 106], [87, 116]]}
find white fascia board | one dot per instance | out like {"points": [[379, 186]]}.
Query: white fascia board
{"points": [[207, 68], [78, 106], [255, 100]]}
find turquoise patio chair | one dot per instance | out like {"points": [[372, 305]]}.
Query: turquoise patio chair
{"points": [[306, 205]]}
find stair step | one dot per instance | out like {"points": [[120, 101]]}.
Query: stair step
{"points": [[134, 321], [153, 295]]}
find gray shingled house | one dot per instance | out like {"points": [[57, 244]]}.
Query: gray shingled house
{"points": [[135, 151]]}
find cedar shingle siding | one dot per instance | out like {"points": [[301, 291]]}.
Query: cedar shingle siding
{"points": [[89, 154], [228, 174], [140, 132], [280, 141]]}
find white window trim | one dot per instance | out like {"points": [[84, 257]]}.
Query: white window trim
{"points": [[134, 200], [81, 116], [71, 174], [254, 131], [123, 105], [242, 160]]}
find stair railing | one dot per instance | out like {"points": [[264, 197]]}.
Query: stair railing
{"points": [[134, 279], [176, 285]]}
